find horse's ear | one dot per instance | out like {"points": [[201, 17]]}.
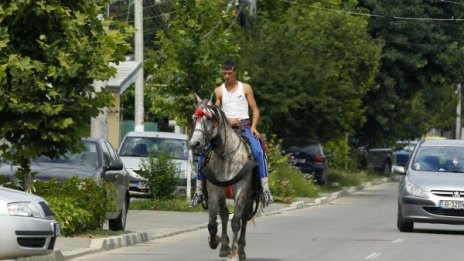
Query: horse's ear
{"points": [[212, 99], [197, 98]]}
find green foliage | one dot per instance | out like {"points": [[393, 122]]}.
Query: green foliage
{"points": [[313, 86], [78, 204], [161, 175], [340, 155], [342, 178], [188, 60], [71, 218], [420, 67], [285, 182], [51, 54]]}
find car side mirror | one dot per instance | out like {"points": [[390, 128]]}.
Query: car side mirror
{"points": [[115, 166], [399, 170]]}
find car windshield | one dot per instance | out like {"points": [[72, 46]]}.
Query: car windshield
{"points": [[144, 146], [88, 157], [443, 159]]}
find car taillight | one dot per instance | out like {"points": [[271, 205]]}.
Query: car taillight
{"points": [[318, 158]]}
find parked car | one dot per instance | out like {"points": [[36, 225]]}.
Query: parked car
{"points": [[137, 146], [99, 161], [308, 156], [28, 225], [432, 186], [378, 158]]}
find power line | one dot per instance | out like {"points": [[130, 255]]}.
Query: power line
{"points": [[377, 15]]}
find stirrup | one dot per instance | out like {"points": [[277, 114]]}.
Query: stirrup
{"points": [[267, 197], [197, 199]]}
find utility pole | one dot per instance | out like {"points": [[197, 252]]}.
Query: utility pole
{"points": [[139, 82], [458, 114]]}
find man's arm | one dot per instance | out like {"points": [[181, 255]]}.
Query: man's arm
{"points": [[253, 107], [218, 94]]}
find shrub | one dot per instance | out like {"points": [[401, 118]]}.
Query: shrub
{"points": [[161, 175], [286, 182], [72, 219], [341, 155], [78, 204]]}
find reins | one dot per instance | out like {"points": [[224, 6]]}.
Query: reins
{"points": [[220, 150]]}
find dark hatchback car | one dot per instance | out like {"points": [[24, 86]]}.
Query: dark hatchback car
{"points": [[308, 156], [98, 161]]}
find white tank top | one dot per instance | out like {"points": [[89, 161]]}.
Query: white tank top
{"points": [[235, 104]]}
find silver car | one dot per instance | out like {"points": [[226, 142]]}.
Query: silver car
{"points": [[432, 188], [137, 146], [99, 161], [28, 225]]}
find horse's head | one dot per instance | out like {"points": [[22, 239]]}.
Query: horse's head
{"points": [[205, 124]]}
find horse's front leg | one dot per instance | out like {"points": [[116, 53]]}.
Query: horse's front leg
{"points": [[224, 213], [213, 206]]}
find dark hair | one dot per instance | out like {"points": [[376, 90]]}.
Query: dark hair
{"points": [[229, 65]]}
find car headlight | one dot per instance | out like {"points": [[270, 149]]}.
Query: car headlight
{"points": [[414, 189], [26, 209]]}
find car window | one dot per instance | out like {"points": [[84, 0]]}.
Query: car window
{"points": [[113, 155], [444, 159], [106, 154], [143, 146], [312, 149], [87, 157]]}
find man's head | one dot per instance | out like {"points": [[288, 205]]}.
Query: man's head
{"points": [[229, 69], [229, 65]]}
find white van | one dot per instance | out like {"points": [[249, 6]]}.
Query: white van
{"points": [[138, 145]]}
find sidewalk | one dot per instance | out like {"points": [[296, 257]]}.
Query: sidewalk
{"points": [[144, 226]]}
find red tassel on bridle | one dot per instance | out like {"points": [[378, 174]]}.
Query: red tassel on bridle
{"points": [[229, 192], [199, 113]]}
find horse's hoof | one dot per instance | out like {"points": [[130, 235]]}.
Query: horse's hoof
{"points": [[242, 257], [213, 243], [225, 251], [233, 257]]}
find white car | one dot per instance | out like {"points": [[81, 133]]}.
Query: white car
{"points": [[137, 146], [28, 225]]}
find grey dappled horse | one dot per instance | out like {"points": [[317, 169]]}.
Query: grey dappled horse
{"points": [[228, 161]]}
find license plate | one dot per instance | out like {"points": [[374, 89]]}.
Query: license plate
{"points": [[450, 204]]}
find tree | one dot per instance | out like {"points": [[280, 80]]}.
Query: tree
{"points": [[188, 60], [310, 67], [51, 53], [421, 65]]}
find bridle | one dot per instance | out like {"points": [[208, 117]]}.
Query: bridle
{"points": [[203, 113]]}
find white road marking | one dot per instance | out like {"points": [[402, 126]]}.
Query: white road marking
{"points": [[373, 256], [399, 240]]}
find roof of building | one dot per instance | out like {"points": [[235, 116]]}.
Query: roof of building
{"points": [[125, 76]]}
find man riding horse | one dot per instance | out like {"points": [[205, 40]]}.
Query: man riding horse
{"points": [[235, 98]]}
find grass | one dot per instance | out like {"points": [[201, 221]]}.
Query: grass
{"points": [[100, 233], [175, 204]]}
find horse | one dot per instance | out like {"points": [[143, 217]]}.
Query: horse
{"points": [[228, 162]]}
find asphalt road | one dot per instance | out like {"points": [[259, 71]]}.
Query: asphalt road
{"points": [[361, 226]]}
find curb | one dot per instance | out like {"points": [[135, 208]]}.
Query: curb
{"points": [[104, 244]]}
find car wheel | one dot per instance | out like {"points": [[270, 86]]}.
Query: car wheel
{"points": [[119, 223], [404, 226]]}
